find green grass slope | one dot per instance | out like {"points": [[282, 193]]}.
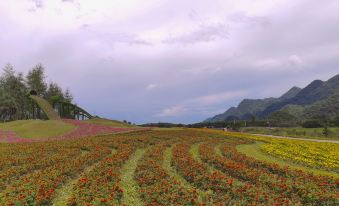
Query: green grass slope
{"points": [[46, 107], [37, 128], [108, 122]]}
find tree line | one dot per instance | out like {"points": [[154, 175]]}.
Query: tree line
{"points": [[15, 88]]}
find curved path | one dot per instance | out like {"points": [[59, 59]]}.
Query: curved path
{"points": [[295, 138]]}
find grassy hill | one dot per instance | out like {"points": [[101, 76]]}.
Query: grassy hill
{"points": [[37, 128]]}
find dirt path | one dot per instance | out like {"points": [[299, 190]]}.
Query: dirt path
{"points": [[294, 138]]}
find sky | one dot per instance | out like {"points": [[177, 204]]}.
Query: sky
{"points": [[176, 61]]}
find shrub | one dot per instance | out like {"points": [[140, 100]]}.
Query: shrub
{"points": [[312, 124]]}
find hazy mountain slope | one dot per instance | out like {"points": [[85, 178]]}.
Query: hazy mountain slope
{"points": [[290, 93], [251, 107], [318, 95], [315, 91]]}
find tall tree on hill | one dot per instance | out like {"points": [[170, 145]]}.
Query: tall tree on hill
{"points": [[68, 96], [8, 106], [13, 92], [54, 93], [36, 79]]}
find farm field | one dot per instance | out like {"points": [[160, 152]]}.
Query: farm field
{"points": [[166, 167], [315, 133]]}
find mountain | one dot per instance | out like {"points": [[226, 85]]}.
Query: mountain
{"points": [[315, 91], [251, 107], [245, 109], [296, 101], [290, 93]]}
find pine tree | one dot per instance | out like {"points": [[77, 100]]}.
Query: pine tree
{"points": [[36, 80], [68, 96]]}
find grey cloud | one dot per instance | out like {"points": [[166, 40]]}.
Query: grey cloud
{"points": [[204, 33], [242, 17], [75, 3], [131, 39], [116, 37], [38, 3]]}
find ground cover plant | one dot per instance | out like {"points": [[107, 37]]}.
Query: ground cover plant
{"points": [[163, 167]]}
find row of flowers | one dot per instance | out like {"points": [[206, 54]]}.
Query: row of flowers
{"points": [[101, 184], [38, 186], [224, 188], [302, 189], [157, 186]]}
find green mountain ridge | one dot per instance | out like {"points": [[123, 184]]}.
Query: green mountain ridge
{"points": [[319, 99]]}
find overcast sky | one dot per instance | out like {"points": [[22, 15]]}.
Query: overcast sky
{"points": [[171, 60]]}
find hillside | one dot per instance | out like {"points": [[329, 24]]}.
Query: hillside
{"points": [[318, 99], [37, 128]]}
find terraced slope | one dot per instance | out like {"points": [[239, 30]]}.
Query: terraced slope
{"points": [[46, 107]]}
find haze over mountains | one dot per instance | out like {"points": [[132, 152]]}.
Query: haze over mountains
{"points": [[318, 100]]}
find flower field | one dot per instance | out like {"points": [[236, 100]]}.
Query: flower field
{"points": [[36, 173], [314, 154]]}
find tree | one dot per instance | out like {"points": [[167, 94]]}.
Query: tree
{"points": [[68, 96], [325, 130], [14, 92], [336, 121], [253, 119], [312, 124], [36, 79], [54, 93], [8, 106]]}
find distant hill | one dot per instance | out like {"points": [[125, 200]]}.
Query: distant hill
{"points": [[318, 99]]}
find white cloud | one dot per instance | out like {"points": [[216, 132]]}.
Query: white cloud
{"points": [[266, 64], [204, 33], [202, 104], [151, 86], [216, 98], [242, 17], [295, 60], [171, 111]]}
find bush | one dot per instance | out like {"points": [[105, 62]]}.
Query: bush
{"points": [[312, 124]]}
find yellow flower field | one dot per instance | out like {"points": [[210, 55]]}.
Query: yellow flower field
{"points": [[320, 155]]}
